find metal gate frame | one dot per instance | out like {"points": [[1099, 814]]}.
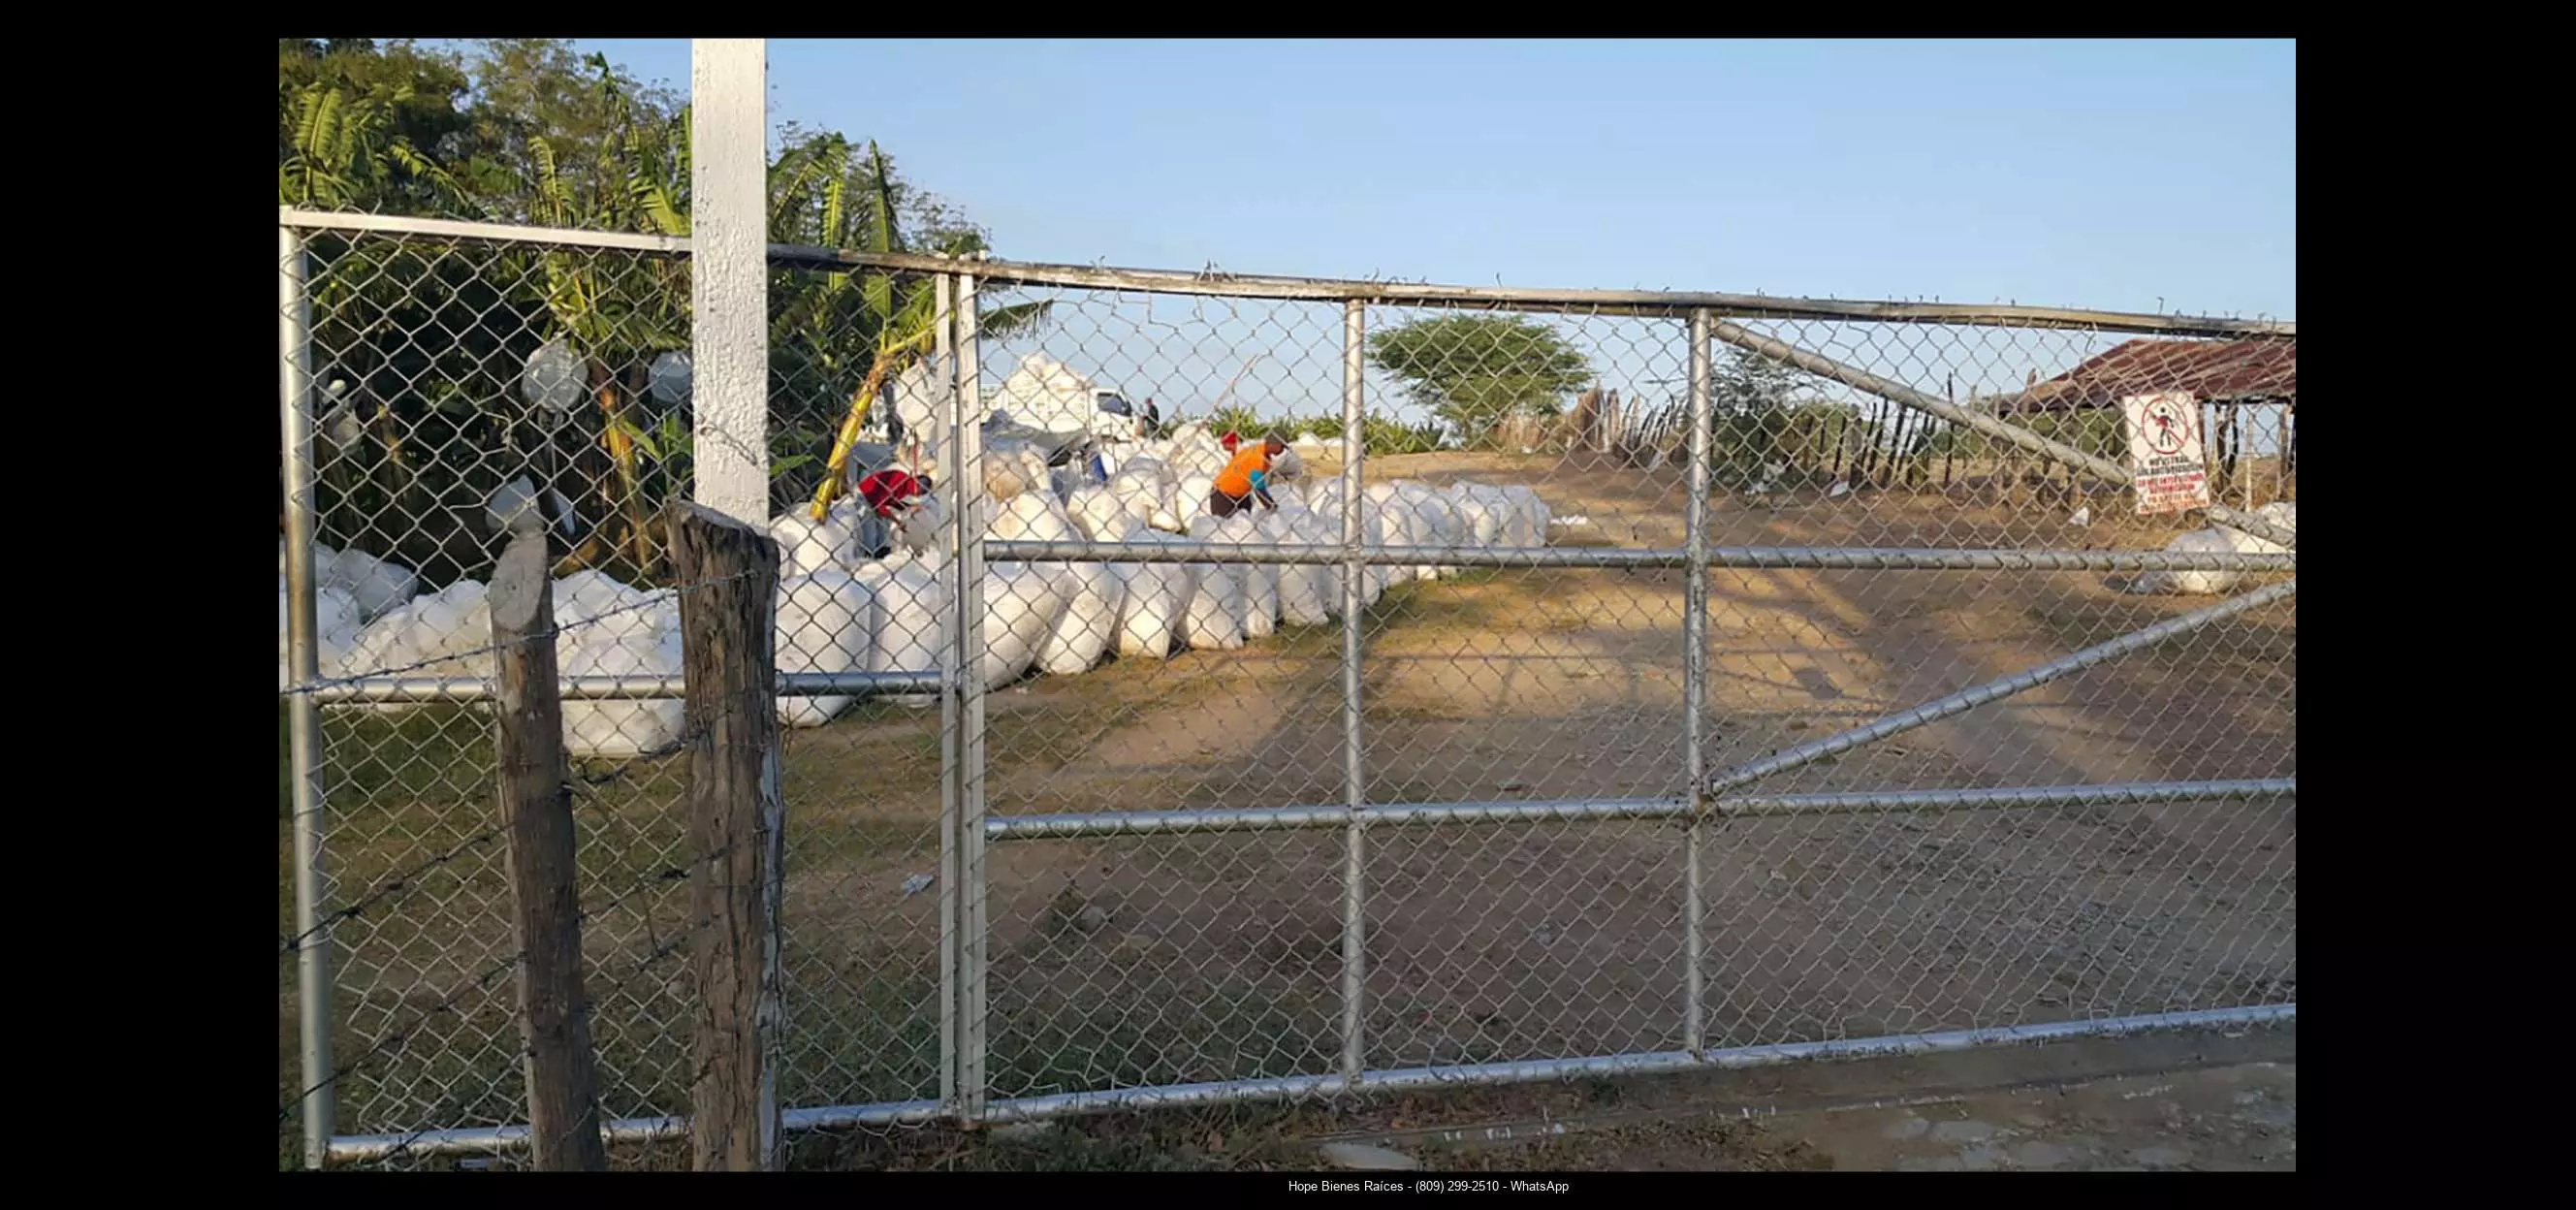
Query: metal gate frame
{"points": [[967, 829]]}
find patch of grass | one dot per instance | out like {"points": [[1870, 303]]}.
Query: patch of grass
{"points": [[861, 1033], [1227, 1030], [1702, 1145]]}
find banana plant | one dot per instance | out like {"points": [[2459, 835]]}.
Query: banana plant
{"points": [[341, 150], [617, 309], [867, 326]]}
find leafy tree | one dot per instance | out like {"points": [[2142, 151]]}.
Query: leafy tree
{"points": [[556, 127], [528, 131], [1476, 371], [852, 334], [359, 128], [1757, 422]]}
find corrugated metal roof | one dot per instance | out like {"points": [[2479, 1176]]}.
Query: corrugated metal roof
{"points": [[2212, 371]]}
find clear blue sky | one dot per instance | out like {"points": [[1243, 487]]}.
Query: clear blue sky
{"points": [[2090, 173], [2122, 175]]}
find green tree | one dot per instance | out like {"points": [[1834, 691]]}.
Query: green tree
{"points": [[366, 128], [546, 118], [528, 131], [850, 335], [1757, 422], [1476, 371]]}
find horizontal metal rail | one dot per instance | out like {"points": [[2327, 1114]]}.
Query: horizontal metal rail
{"points": [[1676, 304], [482, 233], [492, 1139], [1320, 817], [1673, 303], [1977, 695], [390, 690], [1821, 557]]}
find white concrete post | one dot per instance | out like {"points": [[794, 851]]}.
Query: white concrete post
{"points": [[729, 274]]}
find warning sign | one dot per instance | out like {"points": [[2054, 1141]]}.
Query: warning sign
{"points": [[2172, 474]]}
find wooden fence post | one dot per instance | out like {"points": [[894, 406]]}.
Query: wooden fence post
{"points": [[536, 811], [728, 584]]}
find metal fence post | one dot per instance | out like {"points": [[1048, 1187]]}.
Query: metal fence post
{"points": [[1695, 680], [1354, 773], [966, 437], [952, 731], [304, 721]]}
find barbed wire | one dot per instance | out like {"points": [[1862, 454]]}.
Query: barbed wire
{"points": [[393, 1039]]}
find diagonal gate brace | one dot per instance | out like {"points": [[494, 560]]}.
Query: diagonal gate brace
{"points": [[2001, 430], [1970, 698]]}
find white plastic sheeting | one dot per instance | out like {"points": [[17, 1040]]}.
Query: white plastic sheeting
{"points": [[1101, 513], [1437, 521], [841, 611], [375, 584], [1308, 595], [1326, 503], [336, 621], [807, 546], [1084, 619], [1401, 524], [1213, 620], [1257, 605], [618, 730], [605, 628], [910, 629], [1153, 599], [1044, 393], [825, 623], [1090, 620], [447, 633], [1022, 604], [1529, 521], [2216, 540], [1013, 469], [1485, 511], [1189, 499]]}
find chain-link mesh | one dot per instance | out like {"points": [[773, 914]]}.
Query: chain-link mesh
{"points": [[457, 384], [1848, 890], [1504, 942]]}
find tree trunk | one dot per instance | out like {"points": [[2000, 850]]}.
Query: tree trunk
{"points": [[621, 490]]}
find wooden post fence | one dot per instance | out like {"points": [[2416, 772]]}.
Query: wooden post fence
{"points": [[536, 812], [728, 583]]}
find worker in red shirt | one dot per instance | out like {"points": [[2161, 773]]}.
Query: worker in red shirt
{"points": [[897, 496], [1245, 479], [892, 492]]}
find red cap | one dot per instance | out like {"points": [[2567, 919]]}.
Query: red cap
{"points": [[1229, 441], [889, 489]]}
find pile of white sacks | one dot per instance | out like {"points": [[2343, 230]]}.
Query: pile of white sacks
{"points": [[2217, 540], [841, 611], [370, 625]]}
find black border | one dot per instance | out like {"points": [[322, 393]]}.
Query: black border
{"points": [[2377, 693]]}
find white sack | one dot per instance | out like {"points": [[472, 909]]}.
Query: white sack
{"points": [[825, 623]]}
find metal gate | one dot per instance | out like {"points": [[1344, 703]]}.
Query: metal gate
{"points": [[1832, 723]]}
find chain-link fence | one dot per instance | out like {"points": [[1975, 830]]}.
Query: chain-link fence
{"points": [[1590, 682]]}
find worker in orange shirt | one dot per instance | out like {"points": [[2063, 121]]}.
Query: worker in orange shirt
{"points": [[1245, 479]]}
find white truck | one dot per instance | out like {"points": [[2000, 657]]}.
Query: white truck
{"points": [[1062, 414], [1044, 393]]}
